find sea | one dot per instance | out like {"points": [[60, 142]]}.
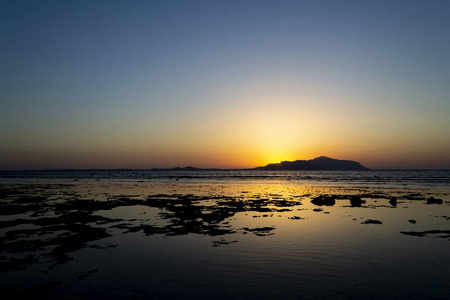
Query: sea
{"points": [[225, 234], [390, 179]]}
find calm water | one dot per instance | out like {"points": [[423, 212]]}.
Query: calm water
{"points": [[410, 179], [225, 235]]}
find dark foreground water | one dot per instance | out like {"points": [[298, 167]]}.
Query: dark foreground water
{"points": [[258, 238]]}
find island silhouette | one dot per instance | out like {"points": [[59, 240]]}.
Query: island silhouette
{"points": [[319, 163]]}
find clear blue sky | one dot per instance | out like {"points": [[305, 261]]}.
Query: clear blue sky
{"points": [[142, 84]]}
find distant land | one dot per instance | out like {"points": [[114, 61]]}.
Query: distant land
{"points": [[318, 163]]}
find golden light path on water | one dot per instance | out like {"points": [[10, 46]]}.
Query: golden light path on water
{"points": [[191, 241]]}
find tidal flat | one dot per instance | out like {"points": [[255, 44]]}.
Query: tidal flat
{"points": [[180, 241]]}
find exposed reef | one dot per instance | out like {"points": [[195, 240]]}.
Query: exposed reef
{"points": [[330, 200], [433, 200], [46, 225], [55, 229], [435, 233], [370, 221]]}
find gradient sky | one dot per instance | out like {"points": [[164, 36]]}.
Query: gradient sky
{"points": [[226, 84]]}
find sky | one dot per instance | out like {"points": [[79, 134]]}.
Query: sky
{"points": [[223, 84]]}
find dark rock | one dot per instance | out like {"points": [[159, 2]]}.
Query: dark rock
{"points": [[355, 201], [261, 231], [437, 233], [413, 233], [393, 201], [370, 221], [324, 200], [433, 200]]}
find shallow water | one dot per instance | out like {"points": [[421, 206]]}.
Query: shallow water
{"points": [[210, 241], [394, 179]]}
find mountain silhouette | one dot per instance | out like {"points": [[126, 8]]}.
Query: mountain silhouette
{"points": [[318, 163]]}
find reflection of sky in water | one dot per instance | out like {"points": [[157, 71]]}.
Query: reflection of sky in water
{"points": [[326, 253], [436, 180]]}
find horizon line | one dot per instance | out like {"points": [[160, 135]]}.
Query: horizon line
{"points": [[191, 168]]}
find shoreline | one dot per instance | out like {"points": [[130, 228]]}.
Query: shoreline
{"points": [[392, 180], [159, 187]]}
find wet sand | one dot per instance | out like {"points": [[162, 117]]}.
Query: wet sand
{"points": [[45, 226]]}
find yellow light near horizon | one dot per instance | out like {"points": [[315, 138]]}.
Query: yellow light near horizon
{"points": [[278, 161]]}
